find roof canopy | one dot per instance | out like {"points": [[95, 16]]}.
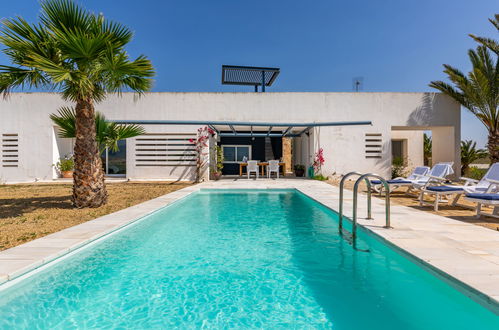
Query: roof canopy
{"points": [[249, 75], [249, 129]]}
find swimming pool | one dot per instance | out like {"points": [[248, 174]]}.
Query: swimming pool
{"points": [[238, 259]]}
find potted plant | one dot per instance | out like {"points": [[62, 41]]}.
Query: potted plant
{"points": [[299, 170], [217, 173], [66, 166]]}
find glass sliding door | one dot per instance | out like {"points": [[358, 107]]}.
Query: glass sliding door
{"points": [[114, 163]]}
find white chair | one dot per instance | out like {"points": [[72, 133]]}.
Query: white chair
{"points": [[273, 167], [252, 168]]}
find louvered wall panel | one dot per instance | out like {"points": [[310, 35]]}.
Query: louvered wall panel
{"points": [[373, 144], [10, 150], [166, 149]]}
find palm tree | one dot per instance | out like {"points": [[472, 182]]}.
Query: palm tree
{"points": [[81, 55], [491, 44], [478, 92], [469, 154], [427, 147], [107, 133]]}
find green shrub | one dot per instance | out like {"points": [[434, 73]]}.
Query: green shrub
{"points": [[299, 167], [320, 177], [65, 164], [398, 167], [475, 172]]}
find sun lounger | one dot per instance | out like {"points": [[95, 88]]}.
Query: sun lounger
{"points": [[400, 181], [443, 193], [487, 198]]}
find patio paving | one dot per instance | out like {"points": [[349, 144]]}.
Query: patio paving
{"points": [[450, 248]]}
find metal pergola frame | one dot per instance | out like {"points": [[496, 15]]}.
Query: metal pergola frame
{"points": [[286, 131], [249, 76]]}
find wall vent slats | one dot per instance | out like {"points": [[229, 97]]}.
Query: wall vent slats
{"points": [[165, 149], [10, 150], [373, 145]]}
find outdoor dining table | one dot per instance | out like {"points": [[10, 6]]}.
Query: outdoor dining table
{"points": [[262, 166]]}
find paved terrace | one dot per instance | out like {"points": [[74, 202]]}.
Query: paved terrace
{"points": [[450, 248]]}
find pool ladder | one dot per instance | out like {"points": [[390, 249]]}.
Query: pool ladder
{"points": [[366, 177]]}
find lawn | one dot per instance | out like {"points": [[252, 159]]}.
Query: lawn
{"points": [[30, 211]]}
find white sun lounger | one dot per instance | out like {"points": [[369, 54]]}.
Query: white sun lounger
{"points": [[443, 193], [486, 198], [401, 181]]}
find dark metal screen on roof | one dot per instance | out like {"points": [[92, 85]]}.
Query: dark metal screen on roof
{"points": [[248, 75]]}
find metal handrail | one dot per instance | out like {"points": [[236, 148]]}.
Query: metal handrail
{"points": [[355, 193], [342, 183]]}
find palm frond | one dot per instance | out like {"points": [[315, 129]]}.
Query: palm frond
{"points": [[59, 15], [65, 119], [119, 73], [117, 132], [79, 53], [108, 134]]}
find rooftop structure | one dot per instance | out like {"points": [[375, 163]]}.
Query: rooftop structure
{"points": [[249, 76]]}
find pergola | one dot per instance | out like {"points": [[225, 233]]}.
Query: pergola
{"points": [[250, 129]]}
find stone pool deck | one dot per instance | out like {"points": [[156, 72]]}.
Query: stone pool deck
{"points": [[452, 249]]}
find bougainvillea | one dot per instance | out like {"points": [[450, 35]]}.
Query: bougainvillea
{"points": [[318, 160], [201, 147]]}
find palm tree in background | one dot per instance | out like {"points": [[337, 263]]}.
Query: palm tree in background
{"points": [[427, 147], [81, 55], [108, 134], [490, 43], [478, 91], [469, 154]]}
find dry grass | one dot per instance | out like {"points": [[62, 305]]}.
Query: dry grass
{"points": [[454, 212], [30, 211]]}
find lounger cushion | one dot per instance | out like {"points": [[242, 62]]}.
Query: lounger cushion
{"points": [[489, 197], [444, 188], [391, 181]]}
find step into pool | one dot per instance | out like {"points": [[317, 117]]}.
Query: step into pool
{"points": [[268, 259]]}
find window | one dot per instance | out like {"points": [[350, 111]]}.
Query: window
{"points": [[114, 163], [236, 153]]}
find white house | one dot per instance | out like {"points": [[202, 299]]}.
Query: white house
{"points": [[248, 125]]}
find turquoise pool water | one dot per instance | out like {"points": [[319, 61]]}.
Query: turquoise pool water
{"points": [[238, 259]]}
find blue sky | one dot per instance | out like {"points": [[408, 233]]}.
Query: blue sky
{"points": [[395, 45]]}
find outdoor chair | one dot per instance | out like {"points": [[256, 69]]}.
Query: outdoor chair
{"points": [[252, 168], [475, 187], [437, 175], [488, 198], [400, 181], [273, 167]]}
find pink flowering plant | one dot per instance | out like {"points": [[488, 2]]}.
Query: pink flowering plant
{"points": [[318, 160], [201, 147]]}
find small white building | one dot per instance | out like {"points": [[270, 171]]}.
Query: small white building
{"points": [[30, 144]]}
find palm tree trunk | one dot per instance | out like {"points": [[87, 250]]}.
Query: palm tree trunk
{"points": [[464, 169], [89, 189], [493, 147]]}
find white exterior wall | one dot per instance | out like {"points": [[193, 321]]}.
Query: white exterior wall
{"points": [[415, 146], [344, 147]]}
